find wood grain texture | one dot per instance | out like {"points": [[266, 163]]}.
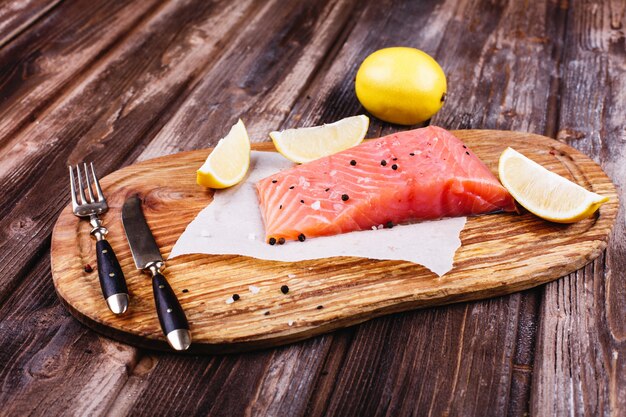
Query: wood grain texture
{"points": [[112, 110], [49, 363], [500, 254], [17, 16], [580, 366]]}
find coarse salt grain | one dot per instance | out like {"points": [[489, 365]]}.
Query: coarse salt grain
{"points": [[381, 226], [374, 228], [333, 172], [230, 300], [205, 233], [254, 289], [290, 322], [316, 205], [291, 276]]}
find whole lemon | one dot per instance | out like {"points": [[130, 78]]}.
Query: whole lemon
{"points": [[401, 85]]}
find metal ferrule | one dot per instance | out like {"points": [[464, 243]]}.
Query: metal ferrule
{"points": [[155, 267], [98, 231]]}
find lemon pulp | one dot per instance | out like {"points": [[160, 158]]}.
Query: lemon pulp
{"points": [[309, 143], [545, 193], [229, 161]]}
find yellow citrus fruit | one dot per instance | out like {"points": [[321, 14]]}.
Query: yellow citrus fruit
{"points": [[229, 161], [545, 193], [401, 85], [309, 143]]}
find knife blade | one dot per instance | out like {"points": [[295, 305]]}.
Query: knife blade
{"points": [[148, 258]]}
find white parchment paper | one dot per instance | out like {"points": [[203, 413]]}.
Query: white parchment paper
{"points": [[232, 225]]}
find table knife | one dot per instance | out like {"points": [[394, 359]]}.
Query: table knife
{"points": [[148, 258]]}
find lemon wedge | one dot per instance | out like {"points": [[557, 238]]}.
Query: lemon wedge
{"points": [[228, 163], [309, 143], [544, 193]]}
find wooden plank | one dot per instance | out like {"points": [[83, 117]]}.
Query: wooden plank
{"points": [[500, 254], [580, 366], [36, 68], [17, 16], [260, 85], [103, 118], [49, 363]]}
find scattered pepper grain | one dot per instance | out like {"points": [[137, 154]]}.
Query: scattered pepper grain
{"points": [[284, 289]]}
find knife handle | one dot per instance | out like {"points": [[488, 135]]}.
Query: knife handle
{"points": [[111, 276], [171, 315]]}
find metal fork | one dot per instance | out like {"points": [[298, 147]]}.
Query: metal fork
{"points": [[111, 276]]}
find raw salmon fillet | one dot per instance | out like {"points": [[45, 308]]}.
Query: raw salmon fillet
{"points": [[416, 175]]}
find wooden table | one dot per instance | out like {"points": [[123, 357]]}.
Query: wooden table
{"points": [[84, 80]]}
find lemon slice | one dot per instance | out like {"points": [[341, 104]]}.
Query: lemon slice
{"points": [[228, 163], [309, 143], [544, 193]]}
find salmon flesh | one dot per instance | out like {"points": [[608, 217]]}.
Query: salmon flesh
{"points": [[421, 174]]}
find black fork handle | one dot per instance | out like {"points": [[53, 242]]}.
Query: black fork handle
{"points": [[112, 279]]}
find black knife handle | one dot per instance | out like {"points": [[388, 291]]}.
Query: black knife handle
{"points": [[171, 314], [109, 270]]}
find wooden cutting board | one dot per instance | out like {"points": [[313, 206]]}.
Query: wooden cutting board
{"points": [[500, 254]]}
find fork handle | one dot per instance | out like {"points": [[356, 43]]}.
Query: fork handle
{"points": [[112, 279]]}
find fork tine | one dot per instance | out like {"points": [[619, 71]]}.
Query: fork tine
{"points": [[93, 200], [81, 189], [97, 184], [73, 188]]}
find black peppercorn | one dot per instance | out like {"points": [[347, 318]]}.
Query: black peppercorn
{"points": [[353, 162], [272, 241], [236, 297], [284, 289], [301, 237], [345, 197]]}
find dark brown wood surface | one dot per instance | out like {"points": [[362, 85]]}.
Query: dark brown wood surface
{"points": [[125, 81]]}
